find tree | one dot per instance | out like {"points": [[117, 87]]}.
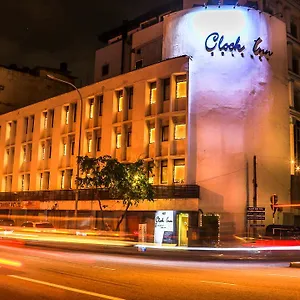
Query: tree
{"points": [[128, 183]]}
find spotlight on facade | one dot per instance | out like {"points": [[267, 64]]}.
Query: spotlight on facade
{"points": [[277, 14], [236, 5]]}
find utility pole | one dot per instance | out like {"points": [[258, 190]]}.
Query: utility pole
{"points": [[254, 183], [254, 192], [79, 142]]}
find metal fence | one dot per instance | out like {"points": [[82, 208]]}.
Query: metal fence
{"points": [[160, 192]]}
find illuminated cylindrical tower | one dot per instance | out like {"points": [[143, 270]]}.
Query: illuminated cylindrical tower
{"points": [[237, 106]]}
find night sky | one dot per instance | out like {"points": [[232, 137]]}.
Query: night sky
{"points": [[47, 32]]}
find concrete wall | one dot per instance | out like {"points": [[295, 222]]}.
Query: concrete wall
{"points": [[20, 89], [149, 42], [238, 107], [112, 55]]}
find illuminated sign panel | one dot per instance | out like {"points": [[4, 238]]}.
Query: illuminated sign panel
{"points": [[164, 223]]}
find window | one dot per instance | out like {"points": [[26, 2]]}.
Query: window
{"points": [[295, 66], [181, 86], [70, 178], [180, 131], [47, 179], [9, 130], [130, 97], [164, 172], [49, 150], [119, 141], [100, 106], [29, 152], [294, 29], [165, 133], [27, 182], [52, 118], [150, 172], [67, 113], [32, 123], [297, 142], [43, 152], [152, 92], [167, 89], [105, 69], [64, 149], [24, 154], [90, 143], [139, 64], [179, 171], [74, 112], [99, 143], [72, 147], [91, 108], [120, 100], [26, 125], [129, 138], [41, 181], [152, 135], [8, 183], [62, 181], [45, 116], [22, 182]]}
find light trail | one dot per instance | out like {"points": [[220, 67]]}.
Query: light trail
{"points": [[220, 249], [10, 263]]}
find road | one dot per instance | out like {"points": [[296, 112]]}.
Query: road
{"points": [[27, 273]]}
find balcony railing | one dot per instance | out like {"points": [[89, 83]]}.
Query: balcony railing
{"points": [[161, 192]]}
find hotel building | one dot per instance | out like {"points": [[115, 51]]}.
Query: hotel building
{"points": [[196, 90]]}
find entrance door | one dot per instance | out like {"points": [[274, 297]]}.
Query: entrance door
{"points": [[211, 225], [183, 223]]}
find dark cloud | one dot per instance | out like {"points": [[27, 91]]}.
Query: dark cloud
{"points": [[47, 32]]}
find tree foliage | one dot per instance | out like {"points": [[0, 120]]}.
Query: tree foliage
{"points": [[126, 182]]}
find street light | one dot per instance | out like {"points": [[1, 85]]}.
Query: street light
{"points": [[79, 140]]}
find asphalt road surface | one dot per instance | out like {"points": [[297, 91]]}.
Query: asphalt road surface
{"points": [[47, 274]]}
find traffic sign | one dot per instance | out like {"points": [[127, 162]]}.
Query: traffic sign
{"points": [[251, 208], [256, 213], [255, 217], [257, 225]]}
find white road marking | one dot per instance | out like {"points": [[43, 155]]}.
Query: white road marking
{"points": [[105, 268], [284, 275], [67, 288], [217, 282]]}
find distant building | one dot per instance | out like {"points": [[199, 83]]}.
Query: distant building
{"points": [[20, 87]]}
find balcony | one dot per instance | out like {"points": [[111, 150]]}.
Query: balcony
{"points": [[161, 192]]}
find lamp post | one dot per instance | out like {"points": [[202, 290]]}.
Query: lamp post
{"points": [[79, 140]]}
